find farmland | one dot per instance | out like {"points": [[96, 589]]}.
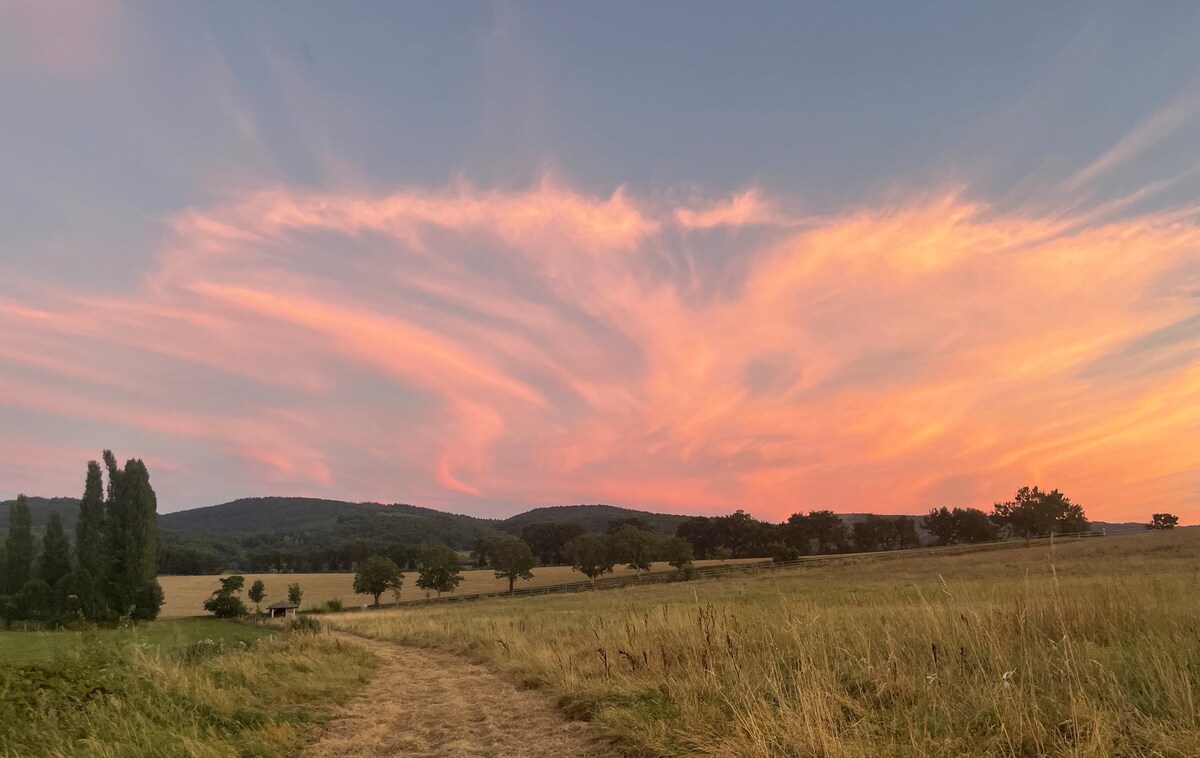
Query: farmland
{"points": [[185, 595], [1085, 648]]}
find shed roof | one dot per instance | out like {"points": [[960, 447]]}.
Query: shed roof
{"points": [[282, 604]]}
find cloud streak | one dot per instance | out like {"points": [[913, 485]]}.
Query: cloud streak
{"points": [[491, 350]]}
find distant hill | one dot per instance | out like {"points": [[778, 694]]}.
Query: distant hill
{"points": [[312, 521], [40, 508], [594, 518]]}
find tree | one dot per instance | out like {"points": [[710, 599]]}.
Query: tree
{"points": [[701, 534], [438, 569], [1163, 521], [395, 586], [1034, 513], [828, 529], [635, 548], [871, 534], [679, 554], [548, 538], [56, 551], [512, 560], [90, 543], [941, 524], [35, 601], [19, 546], [483, 551], [375, 575], [617, 524], [224, 601], [904, 532], [965, 525], [132, 537], [591, 555], [295, 593], [257, 592]]}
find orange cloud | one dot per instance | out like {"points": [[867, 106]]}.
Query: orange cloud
{"points": [[496, 349]]}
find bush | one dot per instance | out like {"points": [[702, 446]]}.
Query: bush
{"points": [[304, 625], [333, 606]]}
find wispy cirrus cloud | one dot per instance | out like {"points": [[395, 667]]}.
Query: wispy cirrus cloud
{"points": [[491, 349]]}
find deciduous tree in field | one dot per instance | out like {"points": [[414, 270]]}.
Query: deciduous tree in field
{"points": [[547, 540], [635, 548], [1163, 521], [1034, 513], [18, 546], [591, 555], [438, 569], [678, 553], [961, 525], [512, 560], [375, 575], [295, 593], [257, 592], [224, 601]]}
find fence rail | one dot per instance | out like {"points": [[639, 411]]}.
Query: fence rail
{"points": [[662, 577]]}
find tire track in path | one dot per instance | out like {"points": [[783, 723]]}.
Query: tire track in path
{"points": [[431, 704]]}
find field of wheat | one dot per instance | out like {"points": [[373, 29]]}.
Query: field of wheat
{"points": [[1088, 648], [185, 595]]}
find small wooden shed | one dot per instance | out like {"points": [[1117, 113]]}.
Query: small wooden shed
{"points": [[282, 609]]}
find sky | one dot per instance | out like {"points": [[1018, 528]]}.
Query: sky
{"points": [[680, 256]]}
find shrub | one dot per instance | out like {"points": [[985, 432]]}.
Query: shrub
{"points": [[333, 606], [304, 625]]}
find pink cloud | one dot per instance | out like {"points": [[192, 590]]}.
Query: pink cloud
{"points": [[495, 349]]}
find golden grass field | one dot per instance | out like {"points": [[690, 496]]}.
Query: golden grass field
{"points": [[185, 595], [1086, 648]]}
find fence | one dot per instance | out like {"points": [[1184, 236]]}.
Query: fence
{"points": [[661, 577]]}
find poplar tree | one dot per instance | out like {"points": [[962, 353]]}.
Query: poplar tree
{"points": [[19, 545], [56, 551], [91, 547], [132, 543]]}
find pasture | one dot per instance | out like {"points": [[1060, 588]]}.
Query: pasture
{"points": [[185, 595], [196, 688], [168, 636], [1085, 648]]}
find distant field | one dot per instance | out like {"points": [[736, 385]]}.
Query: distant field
{"points": [[185, 595], [1086, 648], [169, 636]]}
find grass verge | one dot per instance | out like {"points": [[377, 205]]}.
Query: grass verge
{"points": [[217, 696]]}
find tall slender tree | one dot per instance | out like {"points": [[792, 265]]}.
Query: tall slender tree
{"points": [[56, 551], [19, 546], [90, 547], [130, 515]]}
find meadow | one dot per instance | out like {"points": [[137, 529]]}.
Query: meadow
{"points": [[185, 595], [194, 688], [1086, 649]]}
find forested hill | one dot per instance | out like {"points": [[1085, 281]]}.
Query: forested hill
{"points": [[594, 518], [40, 508]]}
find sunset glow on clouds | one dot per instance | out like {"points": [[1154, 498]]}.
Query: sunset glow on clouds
{"points": [[542, 346], [301, 325]]}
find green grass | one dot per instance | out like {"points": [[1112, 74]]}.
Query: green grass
{"points": [[176, 634], [220, 694], [1088, 648]]}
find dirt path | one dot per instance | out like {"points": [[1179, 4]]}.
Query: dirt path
{"points": [[425, 703]]}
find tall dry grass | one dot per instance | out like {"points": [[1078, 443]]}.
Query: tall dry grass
{"points": [[1084, 649], [207, 700]]}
